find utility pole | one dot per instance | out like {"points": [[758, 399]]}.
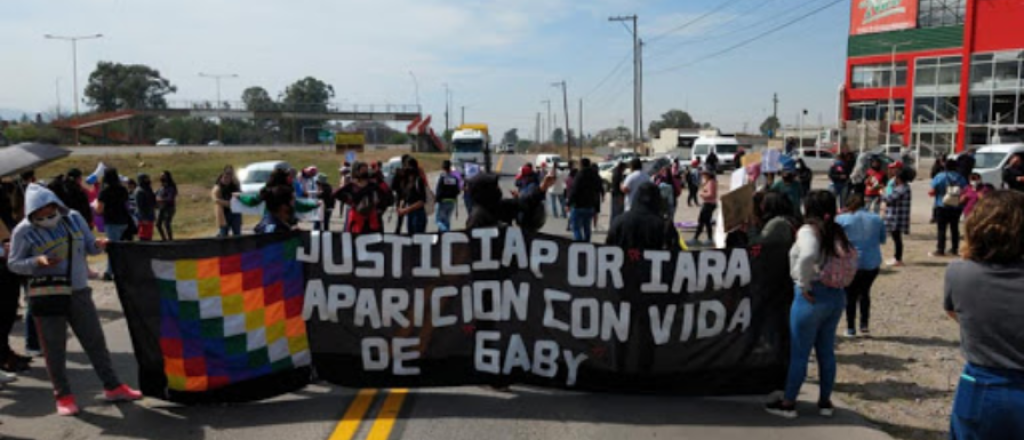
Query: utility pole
{"points": [[579, 134], [463, 115], [547, 134], [640, 92], [536, 128], [636, 73], [565, 104], [416, 85], [74, 65], [217, 79]]}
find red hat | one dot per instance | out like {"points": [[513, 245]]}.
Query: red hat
{"points": [[897, 164]]}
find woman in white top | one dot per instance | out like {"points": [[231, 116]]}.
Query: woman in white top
{"points": [[817, 308]]}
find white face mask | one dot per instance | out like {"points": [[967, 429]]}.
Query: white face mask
{"points": [[50, 222]]}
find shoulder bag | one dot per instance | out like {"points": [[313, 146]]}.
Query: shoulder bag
{"points": [[50, 295]]}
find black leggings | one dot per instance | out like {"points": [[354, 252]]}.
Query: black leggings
{"points": [[897, 241], [859, 291], [163, 223], [707, 211], [692, 196]]}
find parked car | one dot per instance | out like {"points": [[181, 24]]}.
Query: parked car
{"points": [[622, 157], [254, 176], [818, 160], [725, 149], [215, 144], [990, 160], [605, 169], [166, 142]]}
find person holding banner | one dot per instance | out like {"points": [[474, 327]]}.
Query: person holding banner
{"points": [[280, 210], [821, 254], [643, 226], [366, 199], [413, 203], [50, 246], [983, 295]]}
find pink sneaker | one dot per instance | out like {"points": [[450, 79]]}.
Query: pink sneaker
{"points": [[66, 406], [122, 393]]}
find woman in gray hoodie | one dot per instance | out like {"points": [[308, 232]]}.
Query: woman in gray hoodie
{"points": [[40, 247]]}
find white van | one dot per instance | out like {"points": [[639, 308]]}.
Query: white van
{"points": [[549, 160], [990, 160], [724, 147]]}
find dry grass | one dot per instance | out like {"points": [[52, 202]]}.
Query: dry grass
{"points": [[195, 174]]}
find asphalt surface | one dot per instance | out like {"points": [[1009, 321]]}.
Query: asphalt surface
{"points": [[322, 411]]}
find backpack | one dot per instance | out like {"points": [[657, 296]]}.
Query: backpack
{"points": [[837, 272], [447, 187], [952, 197]]}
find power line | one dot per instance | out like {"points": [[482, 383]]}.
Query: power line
{"points": [[737, 29], [720, 7], [749, 40], [614, 70]]}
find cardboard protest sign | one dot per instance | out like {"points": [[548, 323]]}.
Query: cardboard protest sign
{"points": [[737, 207], [490, 306], [750, 159]]}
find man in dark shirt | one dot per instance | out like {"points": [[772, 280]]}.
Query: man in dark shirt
{"points": [[585, 199], [643, 227], [965, 163]]}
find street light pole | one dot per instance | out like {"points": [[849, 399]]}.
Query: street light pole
{"points": [[74, 63], [550, 129], [217, 78], [636, 73]]}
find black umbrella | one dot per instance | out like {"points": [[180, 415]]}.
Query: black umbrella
{"points": [[27, 156]]}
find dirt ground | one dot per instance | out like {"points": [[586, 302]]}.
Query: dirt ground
{"points": [[902, 377]]}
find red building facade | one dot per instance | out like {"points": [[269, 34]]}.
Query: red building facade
{"points": [[950, 70]]}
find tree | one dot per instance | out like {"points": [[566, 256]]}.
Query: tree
{"points": [[511, 137], [770, 126], [523, 145], [257, 99], [116, 86], [674, 118], [306, 95], [398, 138], [558, 136]]}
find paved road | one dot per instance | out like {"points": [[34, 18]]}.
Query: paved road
{"points": [[325, 412]]}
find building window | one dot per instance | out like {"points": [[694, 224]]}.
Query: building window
{"points": [[980, 109], [877, 110], [939, 13], [876, 76], [996, 90]]}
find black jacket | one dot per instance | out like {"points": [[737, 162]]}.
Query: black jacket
{"points": [[643, 227], [1010, 175], [491, 210], [586, 189]]}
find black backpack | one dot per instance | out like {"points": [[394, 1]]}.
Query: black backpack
{"points": [[447, 187]]}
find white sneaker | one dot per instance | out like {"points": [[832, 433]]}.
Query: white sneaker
{"points": [[6, 378]]}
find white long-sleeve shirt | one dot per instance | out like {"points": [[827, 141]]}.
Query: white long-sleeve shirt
{"points": [[804, 257]]}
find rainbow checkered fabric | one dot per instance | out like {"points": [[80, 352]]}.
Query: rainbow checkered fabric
{"points": [[228, 319]]}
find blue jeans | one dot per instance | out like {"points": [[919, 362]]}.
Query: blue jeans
{"points": [[469, 203], [557, 205], [582, 220], [114, 233], [838, 190], [988, 404], [233, 223], [443, 216], [416, 222], [814, 326]]}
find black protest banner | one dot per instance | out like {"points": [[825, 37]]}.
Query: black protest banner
{"points": [[496, 307], [215, 320]]}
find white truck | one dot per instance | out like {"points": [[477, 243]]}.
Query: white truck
{"points": [[471, 143]]}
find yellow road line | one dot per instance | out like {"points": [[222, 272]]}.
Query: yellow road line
{"points": [[385, 422], [497, 167], [349, 423]]}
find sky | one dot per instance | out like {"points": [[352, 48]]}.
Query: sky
{"points": [[498, 57]]}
